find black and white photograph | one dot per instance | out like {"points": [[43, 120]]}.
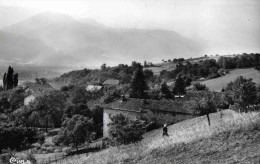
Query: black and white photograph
{"points": [[129, 82]]}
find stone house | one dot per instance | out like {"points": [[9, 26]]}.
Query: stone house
{"points": [[110, 83], [34, 89], [160, 112], [93, 88]]}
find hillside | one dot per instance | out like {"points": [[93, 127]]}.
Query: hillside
{"points": [[10, 15], [19, 50], [90, 44], [218, 83], [232, 138], [157, 68]]}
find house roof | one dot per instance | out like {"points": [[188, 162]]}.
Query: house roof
{"points": [[111, 82], [138, 105], [93, 87], [38, 88]]}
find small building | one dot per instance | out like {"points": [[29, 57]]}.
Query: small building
{"points": [[34, 89], [164, 111], [110, 83], [93, 88]]}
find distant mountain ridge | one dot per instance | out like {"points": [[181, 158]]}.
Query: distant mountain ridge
{"points": [[10, 15], [85, 43]]}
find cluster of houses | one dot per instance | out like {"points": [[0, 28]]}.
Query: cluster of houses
{"points": [[159, 111]]}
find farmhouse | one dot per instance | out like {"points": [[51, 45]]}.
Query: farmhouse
{"points": [[34, 89], [152, 110], [110, 83], [93, 88]]}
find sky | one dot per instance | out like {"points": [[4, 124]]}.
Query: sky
{"points": [[223, 26]]}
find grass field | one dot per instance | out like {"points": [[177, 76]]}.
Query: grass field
{"points": [[169, 66], [232, 138], [218, 83]]}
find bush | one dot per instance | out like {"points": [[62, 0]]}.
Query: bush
{"points": [[154, 94], [16, 137], [30, 157], [7, 155], [111, 96], [199, 87], [125, 131]]}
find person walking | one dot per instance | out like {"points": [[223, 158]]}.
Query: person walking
{"points": [[165, 131]]}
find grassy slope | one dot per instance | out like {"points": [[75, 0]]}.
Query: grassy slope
{"points": [[234, 138], [161, 66], [218, 83]]}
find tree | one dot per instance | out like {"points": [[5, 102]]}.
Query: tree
{"points": [[199, 87], [125, 131], [138, 85], [98, 120], [187, 81], [202, 103], [136, 66], [165, 92], [81, 109], [49, 108], [15, 80], [16, 98], [179, 87], [145, 63], [4, 104], [79, 95], [10, 79], [111, 95], [103, 67], [148, 74], [16, 137], [76, 131], [241, 93]]}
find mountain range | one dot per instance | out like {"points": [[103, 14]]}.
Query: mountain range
{"points": [[48, 39]]}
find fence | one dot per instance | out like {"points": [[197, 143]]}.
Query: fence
{"points": [[92, 147], [60, 160]]}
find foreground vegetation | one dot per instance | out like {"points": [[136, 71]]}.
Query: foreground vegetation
{"points": [[232, 138]]}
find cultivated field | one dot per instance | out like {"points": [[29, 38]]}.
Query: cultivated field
{"points": [[231, 138], [218, 83], [168, 66]]}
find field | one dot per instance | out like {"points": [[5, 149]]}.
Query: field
{"points": [[169, 66], [231, 138], [218, 83]]}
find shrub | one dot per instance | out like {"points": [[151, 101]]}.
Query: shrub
{"points": [[111, 96], [30, 157], [199, 87], [41, 139], [16, 137], [125, 131]]}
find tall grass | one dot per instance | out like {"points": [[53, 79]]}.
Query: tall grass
{"points": [[182, 132], [203, 130]]}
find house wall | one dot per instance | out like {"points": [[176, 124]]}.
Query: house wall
{"points": [[162, 118], [110, 112], [159, 117], [29, 99]]}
